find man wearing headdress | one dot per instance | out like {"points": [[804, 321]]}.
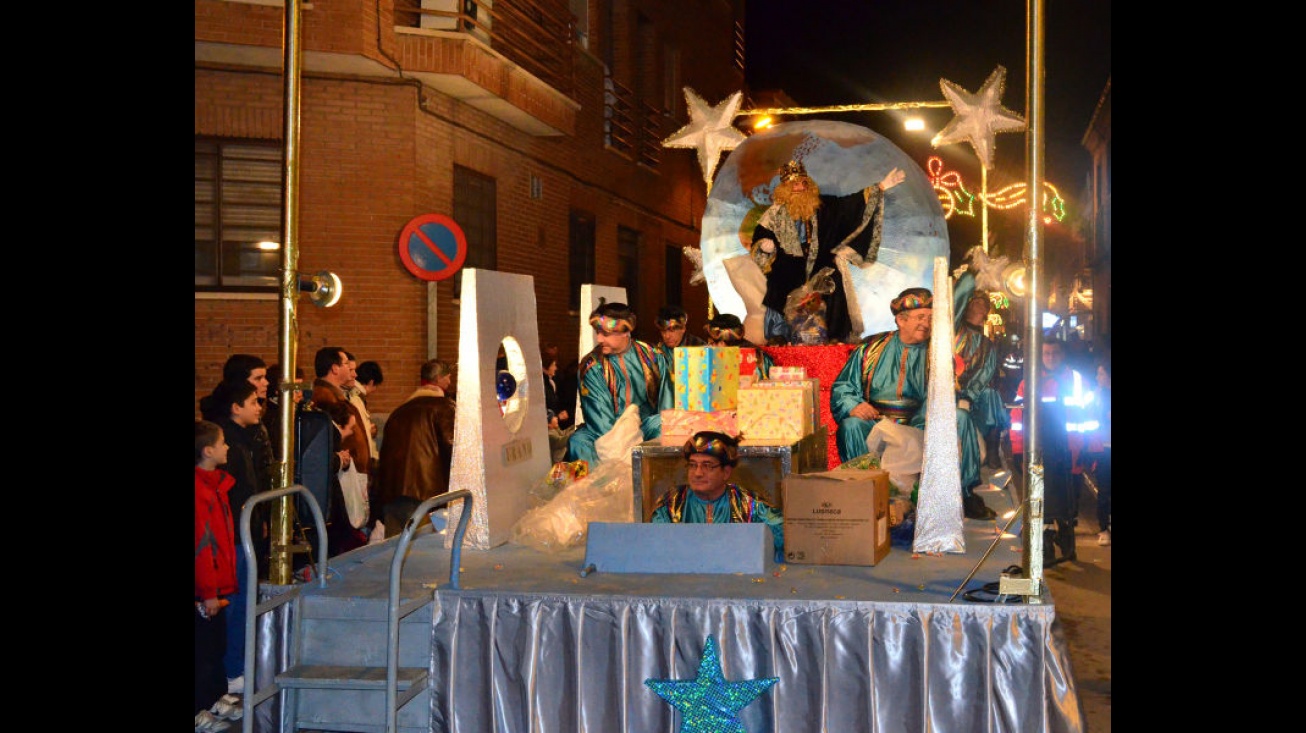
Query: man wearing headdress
{"points": [[979, 355], [887, 378], [801, 233], [618, 372], [710, 498], [725, 329], [673, 326]]}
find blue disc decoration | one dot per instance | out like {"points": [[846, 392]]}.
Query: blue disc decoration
{"points": [[505, 385]]}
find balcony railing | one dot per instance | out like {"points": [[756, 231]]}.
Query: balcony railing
{"points": [[631, 127], [537, 35]]}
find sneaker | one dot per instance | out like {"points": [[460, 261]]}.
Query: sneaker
{"points": [[236, 685], [207, 722], [226, 710], [1104, 538]]}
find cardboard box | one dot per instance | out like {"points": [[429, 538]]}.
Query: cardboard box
{"points": [[775, 411], [836, 517], [684, 423], [706, 378]]}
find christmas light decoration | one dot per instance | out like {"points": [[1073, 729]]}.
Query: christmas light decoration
{"points": [[956, 199]]}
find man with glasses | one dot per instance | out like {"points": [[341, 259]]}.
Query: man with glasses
{"points": [[709, 498], [885, 378], [672, 323]]}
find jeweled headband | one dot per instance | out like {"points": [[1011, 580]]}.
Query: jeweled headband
{"points": [[911, 301], [718, 445], [611, 324], [665, 323], [724, 333], [792, 169]]}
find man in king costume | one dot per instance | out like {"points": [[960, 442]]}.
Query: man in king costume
{"points": [[709, 497], [886, 378], [810, 230], [620, 371]]}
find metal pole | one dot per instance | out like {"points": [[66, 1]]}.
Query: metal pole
{"points": [[279, 565], [1034, 84]]}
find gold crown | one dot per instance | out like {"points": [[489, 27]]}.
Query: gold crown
{"points": [[792, 169]]}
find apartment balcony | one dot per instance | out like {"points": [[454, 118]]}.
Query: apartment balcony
{"points": [[511, 59]]}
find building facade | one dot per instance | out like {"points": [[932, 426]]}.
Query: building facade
{"points": [[535, 125]]}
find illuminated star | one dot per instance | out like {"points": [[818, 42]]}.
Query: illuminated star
{"points": [[979, 116], [695, 255], [708, 703], [709, 130]]}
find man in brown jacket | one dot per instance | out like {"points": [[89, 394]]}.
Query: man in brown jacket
{"points": [[333, 368], [417, 451]]}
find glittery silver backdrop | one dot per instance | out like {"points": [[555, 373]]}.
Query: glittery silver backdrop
{"points": [[938, 503], [496, 455]]}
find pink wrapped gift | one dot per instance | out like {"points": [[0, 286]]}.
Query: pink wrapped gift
{"points": [[786, 373], [678, 423]]}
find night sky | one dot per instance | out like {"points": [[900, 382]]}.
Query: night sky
{"points": [[824, 52]]}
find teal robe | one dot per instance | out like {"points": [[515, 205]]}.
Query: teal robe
{"points": [[897, 388], [980, 356], [693, 510], [600, 409]]}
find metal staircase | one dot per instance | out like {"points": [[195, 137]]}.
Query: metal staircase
{"points": [[353, 663]]}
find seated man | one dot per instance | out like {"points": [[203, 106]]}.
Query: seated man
{"points": [[673, 323], [710, 457], [620, 371], [727, 330], [885, 378]]}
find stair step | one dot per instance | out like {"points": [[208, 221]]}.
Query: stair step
{"points": [[333, 677]]}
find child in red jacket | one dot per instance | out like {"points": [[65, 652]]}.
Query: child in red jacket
{"points": [[215, 576]]}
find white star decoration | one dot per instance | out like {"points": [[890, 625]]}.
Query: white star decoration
{"points": [[709, 130], [979, 116]]}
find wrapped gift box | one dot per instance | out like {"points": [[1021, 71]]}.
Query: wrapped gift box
{"points": [[706, 378], [813, 385], [775, 410], [684, 423], [837, 517], [785, 373]]}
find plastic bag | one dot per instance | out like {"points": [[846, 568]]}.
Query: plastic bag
{"points": [[353, 485], [805, 308], [604, 495], [900, 449]]}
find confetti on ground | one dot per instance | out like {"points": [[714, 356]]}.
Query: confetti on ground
{"points": [[915, 556], [895, 590], [920, 587], [498, 566], [430, 585], [793, 590], [839, 598], [759, 580]]}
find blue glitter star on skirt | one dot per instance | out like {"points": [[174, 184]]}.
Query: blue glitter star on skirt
{"points": [[709, 703]]}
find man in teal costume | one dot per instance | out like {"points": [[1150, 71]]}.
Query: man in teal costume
{"points": [[727, 330], [620, 371], [709, 497], [886, 377], [976, 393]]}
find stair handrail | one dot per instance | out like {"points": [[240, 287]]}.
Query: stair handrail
{"points": [[251, 581], [396, 569]]}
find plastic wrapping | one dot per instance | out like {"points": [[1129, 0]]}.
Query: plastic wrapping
{"points": [[805, 308], [602, 495]]}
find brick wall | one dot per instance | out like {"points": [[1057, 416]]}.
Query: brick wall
{"points": [[374, 154]]}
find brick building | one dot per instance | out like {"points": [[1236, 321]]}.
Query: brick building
{"points": [[535, 124]]}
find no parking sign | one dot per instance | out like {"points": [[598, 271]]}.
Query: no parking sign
{"points": [[432, 246]]}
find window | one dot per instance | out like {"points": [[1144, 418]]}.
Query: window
{"points": [[628, 264], [474, 202], [673, 258], [237, 206], [581, 264]]}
